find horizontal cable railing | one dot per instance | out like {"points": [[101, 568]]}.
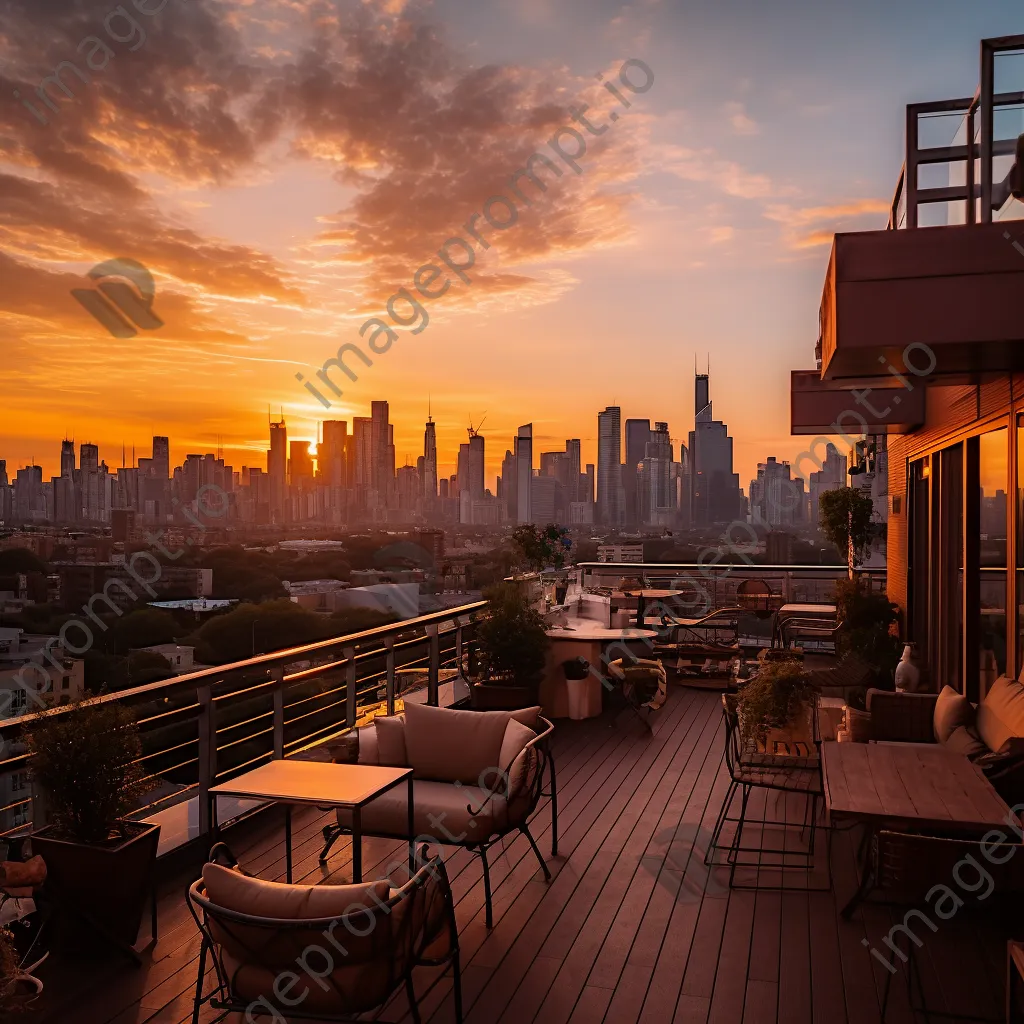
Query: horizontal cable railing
{"points": [[207, 726]]}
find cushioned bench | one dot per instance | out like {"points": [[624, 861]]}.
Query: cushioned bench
{"points": [[990, 734], [478, 776]]}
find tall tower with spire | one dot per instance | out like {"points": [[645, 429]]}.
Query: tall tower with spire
{"points": [[714, 487], [429, 457]]}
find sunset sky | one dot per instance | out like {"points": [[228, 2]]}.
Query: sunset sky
{"points": [[283, 166]]}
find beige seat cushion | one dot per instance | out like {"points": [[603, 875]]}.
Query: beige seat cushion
{"points": [[391, 745], [965, 740], [952, 710], [453, 746], [443, 811], [1000, 720], [232, 890]]}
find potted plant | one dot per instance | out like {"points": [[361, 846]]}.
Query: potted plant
{"points": [[775, 707], [513, 650], [17, 989], [870, 622], [84, 763], [845, 520], [548, 548]]}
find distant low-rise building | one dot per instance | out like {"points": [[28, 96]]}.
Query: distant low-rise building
{"points": [[182, 659], [620, 552]]}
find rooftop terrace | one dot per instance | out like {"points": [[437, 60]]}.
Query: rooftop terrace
{"points": [[632, 927]]}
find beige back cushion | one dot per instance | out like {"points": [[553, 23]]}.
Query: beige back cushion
{"points": [[391, 749], [232, 890], [1001, 716], [952, 710], [453, 746]]}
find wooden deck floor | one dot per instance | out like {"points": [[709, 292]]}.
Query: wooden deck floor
{"points": [[631, 929]]}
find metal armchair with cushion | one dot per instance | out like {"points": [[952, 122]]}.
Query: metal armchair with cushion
{"points": [[910, 870], [327, 952], [643, 683], [479, 777]]}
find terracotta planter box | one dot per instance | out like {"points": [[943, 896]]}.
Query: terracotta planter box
{"points": [[110, 885]]}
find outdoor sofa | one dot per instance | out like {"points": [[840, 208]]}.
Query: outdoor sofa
{"points": [[478, 777], [991, 734]]}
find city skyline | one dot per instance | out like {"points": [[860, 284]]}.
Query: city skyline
{"points": [[353, 475]]}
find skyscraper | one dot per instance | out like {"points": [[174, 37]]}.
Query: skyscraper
{"points": [[524, 473], [655, 491], [430, 460], [609, 462], [476, 465], [382, 466], [67, 459], [572, 451], [638, 433], [332, 454], [161, 467], [831, 476], [277, 468], [715, 488], [362, 444], [509, 491]]}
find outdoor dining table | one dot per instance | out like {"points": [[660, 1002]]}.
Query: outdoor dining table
{"points": [[914, 787], [825, 612]]}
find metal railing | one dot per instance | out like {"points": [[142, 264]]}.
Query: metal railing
{"points": [[206, 727], [707, 587]]}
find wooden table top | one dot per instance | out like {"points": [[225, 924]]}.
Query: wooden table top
{"points": [[313, 782], [821, 610], [910, 785], [591, 634], [648, 592]]}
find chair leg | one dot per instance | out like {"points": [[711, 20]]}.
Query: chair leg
{"points": [[332, 833], [457, 986], [554, 806], [525, 829], [890, 963], [410, 993], [737, 842], [487, 887], [717, 830], [197, 1003]]}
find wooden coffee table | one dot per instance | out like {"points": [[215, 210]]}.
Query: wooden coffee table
{"points": [[913, 786], [320, 784]]}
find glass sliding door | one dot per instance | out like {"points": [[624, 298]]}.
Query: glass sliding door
{"points": [[1019, 503], [993, 468]]}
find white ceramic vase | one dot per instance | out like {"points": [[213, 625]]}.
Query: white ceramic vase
{"points": [[907, 672]]}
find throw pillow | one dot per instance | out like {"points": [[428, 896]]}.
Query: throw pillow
{"points": [[952, 710], [528, 716], [1001, 716], [369, 745], [517, 736], [391, 748]]}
